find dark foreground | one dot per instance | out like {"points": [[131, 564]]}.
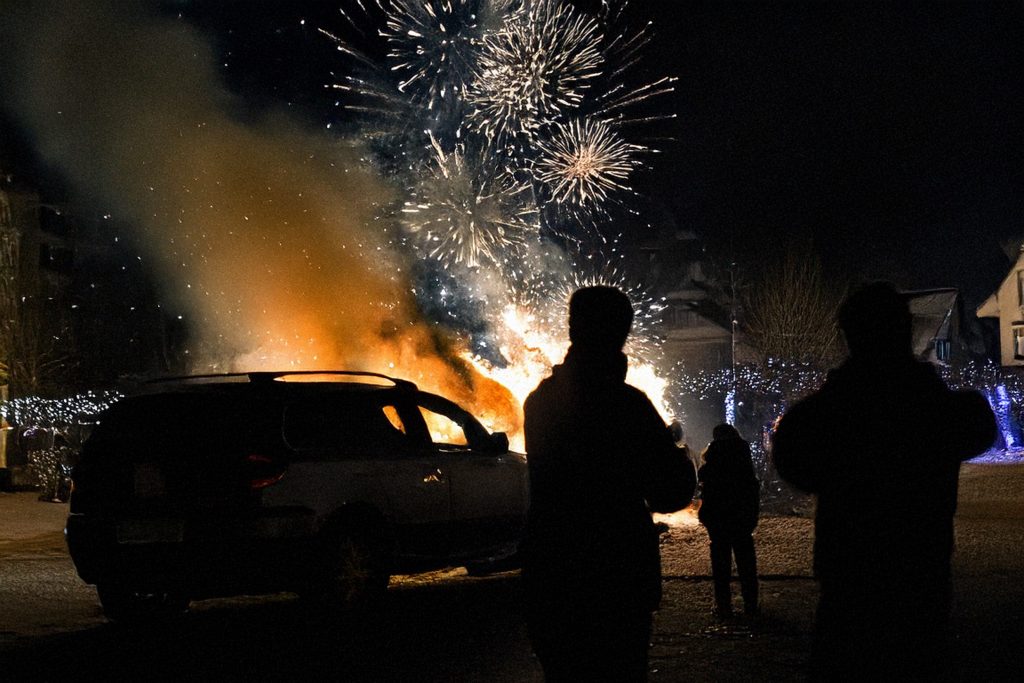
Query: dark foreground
{"points": [[449, 627], [452, 630]]}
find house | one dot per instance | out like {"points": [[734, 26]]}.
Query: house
{"points": [[1007, 304], [936, 324]]}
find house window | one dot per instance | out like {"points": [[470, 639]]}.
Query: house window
{"points": [[1018, 342], [683, 316], [943, 349], [1020, 287]]}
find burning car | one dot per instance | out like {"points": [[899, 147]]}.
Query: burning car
{"points": [[324, 484]]}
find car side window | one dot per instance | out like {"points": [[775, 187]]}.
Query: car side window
{"points": [[443, 429], [393, 416], [345, 428], [452, 426]]}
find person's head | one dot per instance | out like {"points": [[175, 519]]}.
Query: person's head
{"points": [[599, 318], [724, 431], [875, 320]]}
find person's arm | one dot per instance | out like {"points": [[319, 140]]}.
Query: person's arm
{"points": [[669, 479]]}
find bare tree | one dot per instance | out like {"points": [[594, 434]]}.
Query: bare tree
{"points": [[790, 313], [40, 359], [9, 257], [36, 347]]}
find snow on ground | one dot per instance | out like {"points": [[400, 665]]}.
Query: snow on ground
{"points": [[783, 548], [1000, 456]]}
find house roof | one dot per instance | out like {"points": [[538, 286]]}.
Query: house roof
{"points": [[933, 311], [990, 307], [927, 302]]}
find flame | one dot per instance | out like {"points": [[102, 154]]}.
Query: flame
{"points": [[439, 363], [531, 349]]}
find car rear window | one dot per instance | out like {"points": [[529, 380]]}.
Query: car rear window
{"points": [[189, 421]]}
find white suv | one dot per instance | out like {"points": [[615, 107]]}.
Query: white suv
{"points": [[319, 483]]}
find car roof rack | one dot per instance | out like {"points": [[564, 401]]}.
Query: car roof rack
{"points": [[270, 376]]}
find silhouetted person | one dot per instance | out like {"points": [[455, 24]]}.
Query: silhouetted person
{"points": [[601, 459], [881, 444], [729, 508]]}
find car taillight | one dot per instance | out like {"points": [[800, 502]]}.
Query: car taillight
{"points": [[263, 471]]}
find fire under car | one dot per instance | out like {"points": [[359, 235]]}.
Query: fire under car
{"points": [[324, 484]]}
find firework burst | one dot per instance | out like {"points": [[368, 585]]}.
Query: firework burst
{"points": [[515, 136], [538, 66], [430, 49], [432, 46], [584, 161], [550, 305], [464, 214]]}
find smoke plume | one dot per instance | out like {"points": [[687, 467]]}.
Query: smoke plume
{"points": [[257, 230]]}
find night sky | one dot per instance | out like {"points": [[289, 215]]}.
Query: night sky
{"points": [[886, 135]]}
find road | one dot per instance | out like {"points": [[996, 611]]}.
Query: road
{"points": [[448, 626]]}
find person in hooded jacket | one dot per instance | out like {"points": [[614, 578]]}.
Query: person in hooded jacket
{"points": [[880, 444], [730, 503], [600, 460]]}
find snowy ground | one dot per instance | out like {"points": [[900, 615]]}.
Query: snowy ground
{"points": [[48, 616], [1000, 457]]}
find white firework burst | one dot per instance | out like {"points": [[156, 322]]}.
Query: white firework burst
{"points": [[462, 213], [432, 45], [430, 51], [552, 306], [585, 161], [538, 66]]}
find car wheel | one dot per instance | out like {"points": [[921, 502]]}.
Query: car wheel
{"points": [[494, 566], [356, 568], [125, 604]]}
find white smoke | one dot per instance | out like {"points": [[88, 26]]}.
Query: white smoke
{"points": [[260, 231], [257, 230]]}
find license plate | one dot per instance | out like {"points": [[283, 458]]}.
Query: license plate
{"points": [[148, 481], [151, 531]]}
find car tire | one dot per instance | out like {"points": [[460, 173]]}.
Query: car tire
{"points": [[126, 604], [494, 566], [355, 568]]}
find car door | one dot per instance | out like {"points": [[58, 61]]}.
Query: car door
{"points": [[357, 448], [488, 485]]}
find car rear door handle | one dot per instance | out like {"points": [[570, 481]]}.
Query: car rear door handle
{"points": [[434, 477]]}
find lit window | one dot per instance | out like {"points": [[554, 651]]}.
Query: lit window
{"points": [[443, 429], [1018, 343], [394, 418], [943, 349]]}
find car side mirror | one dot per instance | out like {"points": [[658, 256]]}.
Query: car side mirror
{"points": [[499, 442]]}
